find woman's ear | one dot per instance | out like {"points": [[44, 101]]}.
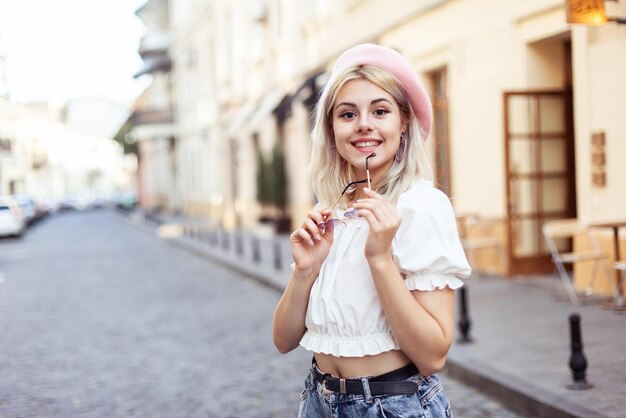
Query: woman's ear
{"points": [[403, 127]]}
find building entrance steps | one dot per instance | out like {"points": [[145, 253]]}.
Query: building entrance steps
{"points": [[521, 343]]}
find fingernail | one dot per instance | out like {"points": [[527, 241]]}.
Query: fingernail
{"points": [[318, 237]]}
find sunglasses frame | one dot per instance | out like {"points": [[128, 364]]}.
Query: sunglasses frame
{"points": [[368, 180]]}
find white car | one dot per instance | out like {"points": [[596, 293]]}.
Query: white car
{"points": [[28, 206], [11, 217]]}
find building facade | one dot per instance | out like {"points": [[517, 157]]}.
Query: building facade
{"points": [[150, 124], [529, 121]]}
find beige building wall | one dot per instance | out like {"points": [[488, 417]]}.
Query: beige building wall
{"points": [[599, 107], [199, 149]]}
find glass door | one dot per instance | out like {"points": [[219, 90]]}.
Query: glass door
{"points": [[539, 151]]}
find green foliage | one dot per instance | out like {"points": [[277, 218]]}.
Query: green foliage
{"points": [[272, 179], [123, 137], [279, 178], [262, 183]]}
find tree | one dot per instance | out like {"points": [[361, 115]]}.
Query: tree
{"points": [[279, 179], [124, 138], [263, 193], [272, 186]]}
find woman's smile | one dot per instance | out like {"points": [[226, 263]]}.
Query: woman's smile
{"points": [[366, 145], [367, 119]]}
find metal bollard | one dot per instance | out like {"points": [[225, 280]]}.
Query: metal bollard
{"points": [[577, 361], [238, 242], [464, 321], [277, 258], [225, 240], [256, 251]]}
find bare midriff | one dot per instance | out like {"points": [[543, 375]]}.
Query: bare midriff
{"points": [[351, 367]]}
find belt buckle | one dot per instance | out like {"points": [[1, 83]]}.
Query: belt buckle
{"points": [[342, 383], [342, 386]]}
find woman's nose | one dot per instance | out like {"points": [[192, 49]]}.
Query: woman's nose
{"points": [[364, 123]]}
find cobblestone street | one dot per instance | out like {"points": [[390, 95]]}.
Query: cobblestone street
{"points": [[99, 319]]}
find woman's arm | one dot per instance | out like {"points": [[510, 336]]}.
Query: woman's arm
{"points": [[422, 322], [291, 310], [309, 247]]}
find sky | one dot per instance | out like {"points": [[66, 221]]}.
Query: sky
{"points": [[57, 50]]}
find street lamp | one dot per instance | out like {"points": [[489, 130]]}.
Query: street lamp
{"points": [[589, 12]]}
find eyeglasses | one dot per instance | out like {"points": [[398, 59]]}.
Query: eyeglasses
{"points": [[339, 224]]}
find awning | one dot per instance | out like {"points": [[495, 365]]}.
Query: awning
{"points": [[314, 82], [154, 63], [307, 93], [265, 109]]}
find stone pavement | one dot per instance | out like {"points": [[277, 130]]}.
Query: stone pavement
{"points": [[521, 346]]}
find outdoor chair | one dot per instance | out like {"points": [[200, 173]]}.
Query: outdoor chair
{"points": [[555, 232], [621, 266], [479, 235]]}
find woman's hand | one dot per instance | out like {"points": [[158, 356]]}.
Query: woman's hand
{"points": [[383, 220], [309, 244]]}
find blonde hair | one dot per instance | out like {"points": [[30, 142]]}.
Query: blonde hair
{"points": [[330, 173]]}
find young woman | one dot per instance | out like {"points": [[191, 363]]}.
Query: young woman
{"points": [[377, 260]]}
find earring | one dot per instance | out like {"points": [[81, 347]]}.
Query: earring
{"points": [[401, 153]]}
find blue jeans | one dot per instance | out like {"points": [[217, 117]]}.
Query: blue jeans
{"points": [[428, 402]]}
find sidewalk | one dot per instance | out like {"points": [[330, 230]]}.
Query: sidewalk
{"points": [[521, 347]]}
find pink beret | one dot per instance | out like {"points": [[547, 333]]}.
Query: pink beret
{"points": [[397, 65]]}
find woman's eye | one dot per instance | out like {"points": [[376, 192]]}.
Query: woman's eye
{"points": [[381, 112], [347, 115]]}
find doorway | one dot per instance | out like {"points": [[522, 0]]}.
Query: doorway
{"points": [[539, 147], [539, 154]]}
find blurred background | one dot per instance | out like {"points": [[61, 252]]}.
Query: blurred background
{"points": [[196, 114]]}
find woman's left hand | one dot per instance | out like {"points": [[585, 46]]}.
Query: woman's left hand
{"points": [[383, 220]]}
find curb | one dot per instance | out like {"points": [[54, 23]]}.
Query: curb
{"points": [[515, 394], [255, 273]]}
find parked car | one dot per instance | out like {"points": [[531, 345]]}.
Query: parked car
{"points": [[125, 201], [29, 207], [12, 221], [78, 202]]}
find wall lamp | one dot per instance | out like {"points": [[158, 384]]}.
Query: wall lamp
{"points": [[590, 12]]}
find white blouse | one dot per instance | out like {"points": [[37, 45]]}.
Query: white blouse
{"points": [[344, 316]]}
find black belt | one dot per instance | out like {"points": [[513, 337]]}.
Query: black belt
{"points": [[392, 383]]}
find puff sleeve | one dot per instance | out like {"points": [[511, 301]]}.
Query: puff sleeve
{"points": [[427, 248]]}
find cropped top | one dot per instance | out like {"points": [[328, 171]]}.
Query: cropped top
{"points": [[344, 316]]}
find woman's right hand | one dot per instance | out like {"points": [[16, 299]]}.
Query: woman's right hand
{"points": [[309, 243]]}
